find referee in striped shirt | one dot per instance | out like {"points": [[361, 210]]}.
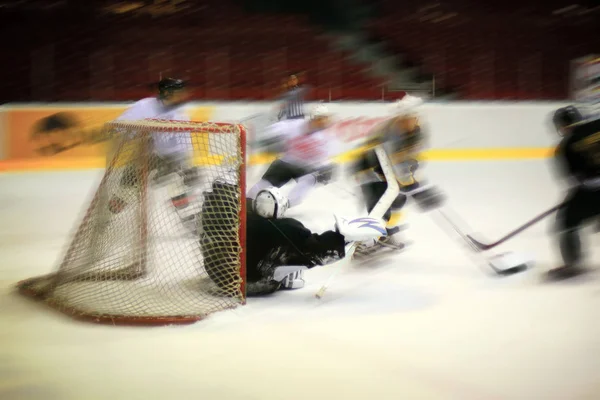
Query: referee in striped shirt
{"points": [[292, 106]]}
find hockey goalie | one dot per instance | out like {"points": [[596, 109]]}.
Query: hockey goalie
{"points": [[278, 249]]}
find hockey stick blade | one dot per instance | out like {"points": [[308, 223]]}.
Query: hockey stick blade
{"points": [[505, 270], [509, 271], [527, 225], [512, 271]]}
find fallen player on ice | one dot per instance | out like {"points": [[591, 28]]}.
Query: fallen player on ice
{"points": [[278, 249]]}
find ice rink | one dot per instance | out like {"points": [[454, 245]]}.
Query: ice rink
{"points": [[428, 323]]}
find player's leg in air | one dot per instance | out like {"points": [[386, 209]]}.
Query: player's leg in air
{"points": [[306, 159], [306, 183], [280, 173]]}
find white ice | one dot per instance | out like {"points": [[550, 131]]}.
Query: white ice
{"points": [[425, 324]]}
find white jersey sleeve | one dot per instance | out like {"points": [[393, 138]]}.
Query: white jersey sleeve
{"points": [[178, 144], [137, 111], [142, 109], [284, 129], [309, 150], [165, 143], [335, 147]]}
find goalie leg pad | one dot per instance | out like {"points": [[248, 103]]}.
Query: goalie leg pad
{"points": [[360, 229]]}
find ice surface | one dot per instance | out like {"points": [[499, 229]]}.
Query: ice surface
{"points": [[425, 324]]}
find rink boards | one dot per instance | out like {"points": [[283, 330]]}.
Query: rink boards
{"points": [[69, 136]]}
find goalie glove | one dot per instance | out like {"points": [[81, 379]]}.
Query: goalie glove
{"points": [[360, 229]]}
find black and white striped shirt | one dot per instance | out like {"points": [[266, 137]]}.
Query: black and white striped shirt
{"points": [[292, 104]]}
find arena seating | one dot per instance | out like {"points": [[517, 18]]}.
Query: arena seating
{"points": [[493, 49], [223, 52], [482, 50]]}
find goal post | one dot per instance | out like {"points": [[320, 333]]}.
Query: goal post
{"points": [[141, 254]]}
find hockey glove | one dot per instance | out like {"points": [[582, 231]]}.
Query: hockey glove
{"points": [[411, 165], [428, 199]]}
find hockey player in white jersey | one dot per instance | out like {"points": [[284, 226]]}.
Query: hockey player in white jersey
{"points": [[171, 152], [307, 153]]}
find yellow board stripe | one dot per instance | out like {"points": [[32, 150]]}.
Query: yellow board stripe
{"points": [[57, 163], [488, 154]]}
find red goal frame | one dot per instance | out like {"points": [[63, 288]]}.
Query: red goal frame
{"points": [[137, 270]]}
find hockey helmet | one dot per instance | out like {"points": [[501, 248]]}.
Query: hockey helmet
{"points": [[270, 203], [408, 106], [320, 111], [167, 86], [566, 116], [320, 117]]}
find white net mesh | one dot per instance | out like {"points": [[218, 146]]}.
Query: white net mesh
{"points": [[142, 254]]}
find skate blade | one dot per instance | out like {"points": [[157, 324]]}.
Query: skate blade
{"points": [[362, 253], [565, 273]]}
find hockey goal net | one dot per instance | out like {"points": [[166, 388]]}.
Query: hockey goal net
{"points": [[141, 255]]}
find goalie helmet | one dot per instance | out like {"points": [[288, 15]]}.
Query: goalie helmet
{"points": [[270, 203]]}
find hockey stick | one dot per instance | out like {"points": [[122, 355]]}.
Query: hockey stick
{"points": [[343, 189], [385, 202], [527, 225], [502, 271], [470, 242], [350, 249]]}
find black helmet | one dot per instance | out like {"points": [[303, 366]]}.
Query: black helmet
{"points": [[167, 86], [566, 116]]}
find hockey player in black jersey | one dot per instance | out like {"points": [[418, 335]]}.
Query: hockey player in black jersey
{"points": [[578, 158], [278, 249], [402, 138]]}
